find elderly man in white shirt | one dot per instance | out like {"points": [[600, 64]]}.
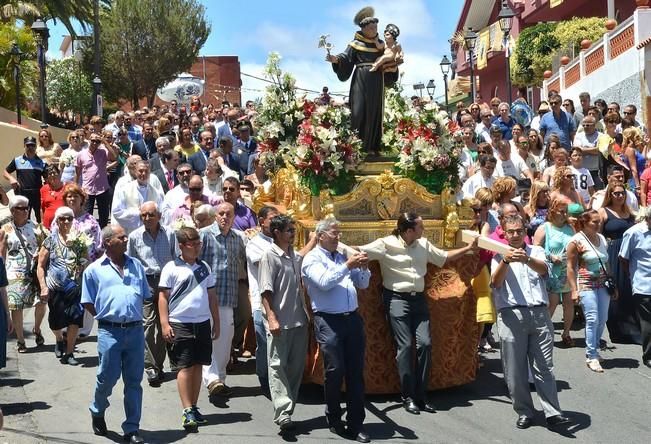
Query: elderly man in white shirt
{"points": [[129, 198]]}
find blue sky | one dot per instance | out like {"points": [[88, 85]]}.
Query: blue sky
{"points": [[254, 28]]}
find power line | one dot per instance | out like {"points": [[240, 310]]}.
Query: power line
{"points": [[296, 87]]}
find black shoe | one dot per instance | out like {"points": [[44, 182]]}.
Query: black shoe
{"points": [[411, 406], [557, 420], [338, 428], [425, 406], [647, 363], [58, 349], [69, 359], [133, 438], [99, 425], [523, 422], [361, 436], [287, 425]]}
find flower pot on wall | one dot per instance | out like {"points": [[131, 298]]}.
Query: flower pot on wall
{"points": [[585, 44], [547, 74], [565, 60], [642, 3], [611, 24]]}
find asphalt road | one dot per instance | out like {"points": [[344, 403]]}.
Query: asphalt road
{"points": [[45, 401]]}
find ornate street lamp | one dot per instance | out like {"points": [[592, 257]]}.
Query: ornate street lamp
{"points": [[445, 69], [506, 23], [471, 40], [97, 83], [39, 27], [16, 57], [98, 107], [431, 87]]}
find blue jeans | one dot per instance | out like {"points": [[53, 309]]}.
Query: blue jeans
{"points": [[121, 350], [595, 309], [260, 350]]}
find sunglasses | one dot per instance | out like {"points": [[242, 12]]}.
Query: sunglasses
{"points": [[95, 141], [628, 113], [65, 218], [184, 172], [229, 189], [196, 189], [514, 232]]}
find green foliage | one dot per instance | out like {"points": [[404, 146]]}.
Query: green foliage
{"points": [[68, 88], [9, 34], [537, 44], [146, 44]]}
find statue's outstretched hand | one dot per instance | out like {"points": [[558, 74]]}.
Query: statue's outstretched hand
{"points": [[332, 58]]}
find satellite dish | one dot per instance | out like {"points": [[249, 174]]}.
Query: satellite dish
{"points": [[181, 89]]}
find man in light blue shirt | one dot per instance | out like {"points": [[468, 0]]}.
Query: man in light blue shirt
{"points": [[635, 255], [113, 290], [558, 122], [330, 279]]}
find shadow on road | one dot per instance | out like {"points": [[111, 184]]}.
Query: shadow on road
{"points": [[620, 363], [14, 382], [22, 408]]}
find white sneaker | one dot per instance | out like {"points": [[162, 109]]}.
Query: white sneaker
{"points": [[593, 364]]}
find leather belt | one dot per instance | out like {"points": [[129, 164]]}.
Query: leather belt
{"points": [[346, 313], [405, 294], [527, 306], [119, 324]]}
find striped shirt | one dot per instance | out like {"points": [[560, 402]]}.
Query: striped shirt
{"points": [[226, 256], [152, 253]]}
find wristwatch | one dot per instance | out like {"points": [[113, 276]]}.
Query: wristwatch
{"points": [[528, 260], [505, 261]]}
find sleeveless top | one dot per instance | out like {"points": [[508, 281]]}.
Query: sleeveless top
{"points": [[539, 218], [556, 240], [614, 227]]}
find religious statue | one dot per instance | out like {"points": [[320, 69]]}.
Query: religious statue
{"points": [[366, 95], [393, 54]]}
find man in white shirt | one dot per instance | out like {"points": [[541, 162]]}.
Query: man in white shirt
{"points": [[176, 196], [508, 165], [128, 199], [482, 178]]}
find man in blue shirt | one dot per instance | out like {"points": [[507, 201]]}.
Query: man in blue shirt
{"points": [[330, 278], [635, 255], [558, 122], [114, 288]]}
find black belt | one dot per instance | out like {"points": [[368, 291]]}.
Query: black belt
{"points": [[119, 324], [155, 276], [346, 313], [527, 306], [406, 294]]}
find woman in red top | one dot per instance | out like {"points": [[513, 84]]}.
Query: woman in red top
{"points": [[51, 194]]}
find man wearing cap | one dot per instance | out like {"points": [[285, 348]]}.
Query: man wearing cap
{"points": [[29, 176], [366, 87]]}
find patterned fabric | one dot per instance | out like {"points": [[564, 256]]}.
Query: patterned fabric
{"points": [[153, 254], [89, 225], [226, 257], [20, 290], [63, 264]]}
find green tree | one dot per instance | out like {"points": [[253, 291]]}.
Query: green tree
{"points": [[10, 34], [68, 87], [146, 44], [64, 10], [537, 45]]}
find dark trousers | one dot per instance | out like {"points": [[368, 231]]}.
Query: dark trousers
{"points": [[241, 314], [644, 313], [155, 346], [409, 317], [341, 341], [34, 197], [103, 206]]}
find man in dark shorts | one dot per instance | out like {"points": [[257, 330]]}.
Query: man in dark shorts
{"points": [[186, 303]]}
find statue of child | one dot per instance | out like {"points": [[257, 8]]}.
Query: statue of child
{"points": [[393, 55]]}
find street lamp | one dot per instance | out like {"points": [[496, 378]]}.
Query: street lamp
{"points": [[79, 57], [430, 89], [97, 104], [419, 87], [506, 23], [39, 27], [97, 83], [445, 69], [471, 39], [16, 56]]}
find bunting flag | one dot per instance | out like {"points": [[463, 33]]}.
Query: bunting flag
{"points": [[483, 45]]}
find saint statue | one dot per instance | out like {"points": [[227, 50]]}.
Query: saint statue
{"points": [[366, 96]]}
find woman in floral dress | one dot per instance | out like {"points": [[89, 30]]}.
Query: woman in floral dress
{"points": [[64, 254], [20, 240]]}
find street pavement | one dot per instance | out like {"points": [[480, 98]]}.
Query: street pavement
{"points": [[47, 402]]}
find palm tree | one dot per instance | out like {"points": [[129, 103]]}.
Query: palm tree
{"points": [[64, 10]]}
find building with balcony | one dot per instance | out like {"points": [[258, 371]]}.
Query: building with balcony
{"points": [[490, 61]]}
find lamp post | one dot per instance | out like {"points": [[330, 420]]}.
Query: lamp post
{"points": [[471, 39], [39, 27], [98, 106], [79, 56], [97, 83], [445, 69], [506, 23], [419, 87], [16, 56], [431, 87]]}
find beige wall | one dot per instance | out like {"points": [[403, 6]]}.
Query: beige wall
{"points": [[8, 116]]}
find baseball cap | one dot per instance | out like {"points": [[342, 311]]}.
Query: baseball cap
{"points": [[29, 140]]}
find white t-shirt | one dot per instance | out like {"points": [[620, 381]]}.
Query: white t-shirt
{"points": [[475, 182], [188, 286], [582, 181], [590, 161], [515, 167]]}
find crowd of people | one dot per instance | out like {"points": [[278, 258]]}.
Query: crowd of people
{"points": [[177, 265]]}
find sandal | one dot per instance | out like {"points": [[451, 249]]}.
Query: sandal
{"points": [[39, 339], [594, 365], [567, 341], [21, 347]]}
